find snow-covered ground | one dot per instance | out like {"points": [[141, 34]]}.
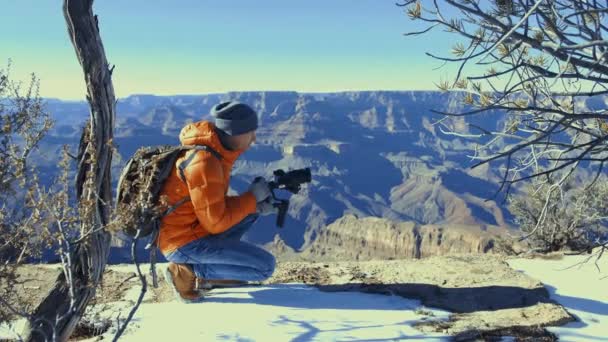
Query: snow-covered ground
{"points": [[287, 312], [297, 312], [580, 287]]}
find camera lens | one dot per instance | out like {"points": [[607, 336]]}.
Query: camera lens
{"points": [[303, 175]]}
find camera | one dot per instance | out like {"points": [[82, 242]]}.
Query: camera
{"points": [[291, 181]]}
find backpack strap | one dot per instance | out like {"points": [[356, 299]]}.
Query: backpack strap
{"points": [[184, 164], [174, 206]]}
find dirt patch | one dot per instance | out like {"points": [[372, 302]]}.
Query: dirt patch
{"points": [[519, 334], [298, 272], [36, 280], [32, 285], [522, 320]]}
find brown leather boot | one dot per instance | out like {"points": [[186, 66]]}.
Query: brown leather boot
{"points": [[183, 281]]}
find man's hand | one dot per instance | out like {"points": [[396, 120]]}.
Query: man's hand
{"points": [[265, 207], [259, 188]]}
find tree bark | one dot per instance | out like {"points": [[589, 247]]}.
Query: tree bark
{"points": [[56, 316]]}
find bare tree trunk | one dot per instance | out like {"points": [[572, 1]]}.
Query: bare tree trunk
{"points": [[57, 315]]}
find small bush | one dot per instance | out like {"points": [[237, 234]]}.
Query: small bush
{"points": [[567, 217]]}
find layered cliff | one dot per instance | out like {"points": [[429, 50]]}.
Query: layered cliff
{"points": [[372, 238]]}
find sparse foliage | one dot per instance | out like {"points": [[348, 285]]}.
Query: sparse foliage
{"points": [[544, 64], [563, 217], [36, 218], [33, 217], [24, 227]]}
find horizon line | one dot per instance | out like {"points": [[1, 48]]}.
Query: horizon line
{"points": [[83, 99]]}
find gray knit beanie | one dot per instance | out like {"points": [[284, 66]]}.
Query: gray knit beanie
{"points": [[234, 118]]}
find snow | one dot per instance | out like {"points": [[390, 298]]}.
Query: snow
{"points": [[294, 312], [12, 331], [580, 287], [286, 312], [298, 312]]}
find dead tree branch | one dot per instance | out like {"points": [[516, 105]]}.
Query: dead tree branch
{"points": [[93, 184]]}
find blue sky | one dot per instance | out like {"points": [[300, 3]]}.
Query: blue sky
{"points": [[211, 46]]}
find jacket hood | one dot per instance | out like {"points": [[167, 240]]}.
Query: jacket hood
{"points": [[203, 133]]}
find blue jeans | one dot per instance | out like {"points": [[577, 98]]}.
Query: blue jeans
{"points": [[225, 256]]}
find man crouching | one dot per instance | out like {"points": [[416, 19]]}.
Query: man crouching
{"points": [[202, 237]]}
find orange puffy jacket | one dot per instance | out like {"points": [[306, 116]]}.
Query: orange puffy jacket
{"points": [[210, 210]]}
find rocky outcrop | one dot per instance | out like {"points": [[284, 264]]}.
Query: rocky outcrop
{"points": [[282, 251], [371, 238]]}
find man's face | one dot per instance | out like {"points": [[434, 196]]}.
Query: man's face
{"points": [[251, 138], [244, 141]]}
